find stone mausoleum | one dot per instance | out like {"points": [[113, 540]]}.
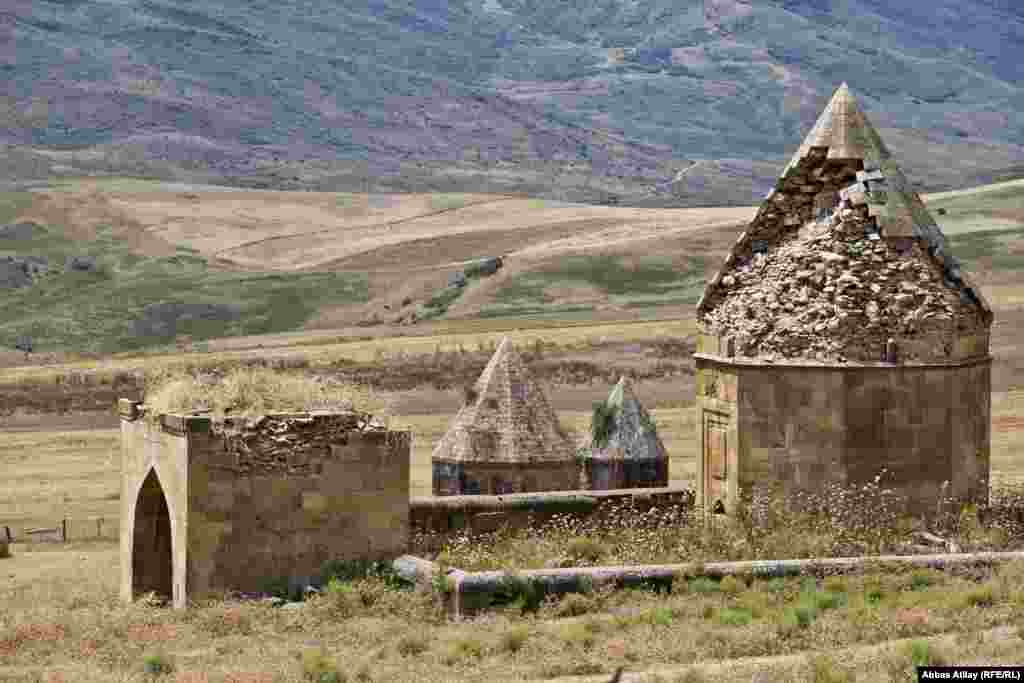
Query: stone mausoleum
{"points": [[632, 454], [233, 504], [505, 438], [842, 338]]}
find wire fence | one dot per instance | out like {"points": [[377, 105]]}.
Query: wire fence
{"points": [[67, 529]]}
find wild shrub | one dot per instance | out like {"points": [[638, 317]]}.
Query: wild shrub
{"points": [[574, 605], [602, 423], [731, 585], [585, 549], [514, 638], [157, 664], [825, 669], [462, 649], [412, 644], [703, 584], [734, 616], [319, 667], [518, 592]]}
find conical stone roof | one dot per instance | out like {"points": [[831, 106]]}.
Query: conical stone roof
{"points": [[509, 420], [841, 258], [632, 436]]}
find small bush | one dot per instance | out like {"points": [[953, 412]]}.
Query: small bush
{"points": [[317, 666], [824, 669], [660, 616], [835, 584], [412, 645], [574, 605], [513, 639], [921, 580], [730, 585], [702, 584], [828, 600], [157, 664], [581, 634], [801, 615], [982, 596], [602, 423], [518, 592], [734, 616], [585, 550], [923, 653], [776, 585], [462, 649]]}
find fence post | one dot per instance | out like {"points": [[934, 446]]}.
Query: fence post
{"points": [[7, 534], [64, 530], [99, 527]]}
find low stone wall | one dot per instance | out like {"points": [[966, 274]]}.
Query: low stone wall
{"points": [[487, 513]]}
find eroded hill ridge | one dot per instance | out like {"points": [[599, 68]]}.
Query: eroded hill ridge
{"points": [[843, 257]]}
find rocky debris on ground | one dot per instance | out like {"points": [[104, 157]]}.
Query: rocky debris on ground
{"points": [[830, 287], [21, 271]]}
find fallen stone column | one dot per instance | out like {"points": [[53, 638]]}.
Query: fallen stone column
{"points": [[475, 591]]}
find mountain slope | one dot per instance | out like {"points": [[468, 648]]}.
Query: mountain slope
{"points": [[574, 100]]}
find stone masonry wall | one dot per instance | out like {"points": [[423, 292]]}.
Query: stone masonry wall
{"points": [[806, 427], [269, 513], [273, 499]]}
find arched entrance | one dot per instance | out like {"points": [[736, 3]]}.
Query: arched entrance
{"points": [[152, 568]]}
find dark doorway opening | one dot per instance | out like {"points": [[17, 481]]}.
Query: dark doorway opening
{"points": [[152, 568]]}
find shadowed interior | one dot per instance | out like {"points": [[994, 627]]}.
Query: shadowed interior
{"points": [[151, 554]]}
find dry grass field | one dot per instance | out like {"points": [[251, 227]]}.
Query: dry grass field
{"points": [[597, 289]]}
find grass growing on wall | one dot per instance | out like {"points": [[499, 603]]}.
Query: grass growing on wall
{"points": [[256, 391]]}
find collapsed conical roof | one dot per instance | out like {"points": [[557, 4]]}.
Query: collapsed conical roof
{"points": [[509, 420], [841, 257], [633, 435]]}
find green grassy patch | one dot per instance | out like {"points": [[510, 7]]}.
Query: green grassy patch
{"points": [[12, 203], [513, 311], [651, 281], [988, 248], [106, 309]]}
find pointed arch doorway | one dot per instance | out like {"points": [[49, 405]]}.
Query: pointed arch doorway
{"points": [[152, 564]]}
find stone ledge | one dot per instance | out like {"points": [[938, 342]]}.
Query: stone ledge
{"points": [[849, 365]]}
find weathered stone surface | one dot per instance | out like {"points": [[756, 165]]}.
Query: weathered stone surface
{"points": [[234, 503], [634, 455], [879, 231], [506, 438], [861, 346]]}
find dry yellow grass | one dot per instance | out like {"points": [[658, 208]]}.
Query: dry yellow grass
{"points": [[318, 353], [257, 391], [62, 621]]}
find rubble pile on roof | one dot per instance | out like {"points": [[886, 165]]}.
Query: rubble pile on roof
{"points": [[842, 257]]}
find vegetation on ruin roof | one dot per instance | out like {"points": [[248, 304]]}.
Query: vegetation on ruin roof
{"points": [[242, 392]]}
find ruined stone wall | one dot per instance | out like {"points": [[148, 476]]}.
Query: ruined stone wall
{"points": [[278, 498], [807, 426], [274, 498], [482, 513]]}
